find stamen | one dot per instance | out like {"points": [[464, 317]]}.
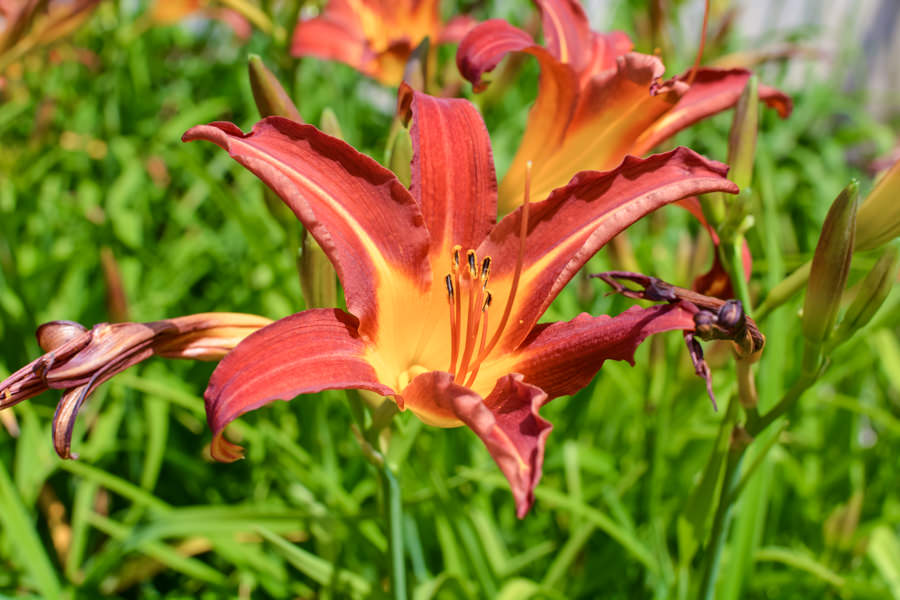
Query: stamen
{"points": [[520, 259], [454, 321], [454, 262], [484, 330], [693, 74], [472, 259]]}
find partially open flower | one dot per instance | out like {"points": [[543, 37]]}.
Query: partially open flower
{"points": [[78, 360], [597, 101]]}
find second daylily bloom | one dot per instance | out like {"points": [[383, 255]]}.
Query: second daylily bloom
{"points": [[597, 101], [443, 302], [376, 37]]}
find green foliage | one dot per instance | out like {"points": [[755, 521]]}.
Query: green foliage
{"points": [[92, 159]]}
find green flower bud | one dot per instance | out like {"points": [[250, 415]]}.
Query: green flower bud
{"points": [[317, 276], [330, 125], [871, 293], [269, 95], [742, 139], [830, 266], [400, 155], [416, 71], [879, 216]]}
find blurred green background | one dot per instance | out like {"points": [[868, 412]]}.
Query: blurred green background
{"points": [[92, 164]]}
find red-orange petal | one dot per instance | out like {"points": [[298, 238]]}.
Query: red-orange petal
{"points": [[453, 176], [565, 230], [507, 422], [712, 91], [337, 35], [304, 353], [360, 214], [561, 358]]}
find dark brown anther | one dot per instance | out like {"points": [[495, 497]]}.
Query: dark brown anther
{"points": [[487, 301], [472, 260], [448, 280], [485, 268]]}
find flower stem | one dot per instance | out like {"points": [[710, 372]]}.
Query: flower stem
{"points": [[394, 509], [720, 520]]}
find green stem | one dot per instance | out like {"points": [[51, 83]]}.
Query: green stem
{"points": [[394, 509], [720, 520], [786, 403]]}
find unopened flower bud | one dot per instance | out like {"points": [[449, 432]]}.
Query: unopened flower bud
{"points": [[871, 293], [329, 124], [830, 266], [415, 73], [400, 159], [317, 276], [742, 139], [270, 97], [879, 216]]}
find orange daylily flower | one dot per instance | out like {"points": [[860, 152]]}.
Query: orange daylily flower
{"points": [[376, 37], [442, 301], [597, 101]]}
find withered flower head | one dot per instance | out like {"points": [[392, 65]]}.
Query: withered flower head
{"points": [[78, 360]]}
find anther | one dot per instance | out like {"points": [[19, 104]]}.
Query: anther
{"points": [[485, 268], [449, 281], [472, 260], [487, 302], [454, 263]]}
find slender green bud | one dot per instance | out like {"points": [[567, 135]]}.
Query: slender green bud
{"points": [[400, 157], [742, 139], [330, 125], [317, 276], [870, 294], [416, 71], [830, 266], [879, 215], [269, 95]]}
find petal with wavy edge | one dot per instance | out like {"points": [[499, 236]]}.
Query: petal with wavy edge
{"points": [[712, 91], [304, 353], [453, 175], [565, 230], [360, 214], [561, 358], [507, 422], [556, 101], [611, 111]]}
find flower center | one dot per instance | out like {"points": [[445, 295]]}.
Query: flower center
{"points": [[471, 280]]}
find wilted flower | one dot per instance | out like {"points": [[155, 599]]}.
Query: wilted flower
{"points": [[443, 302], [375, 37], [78, 360], [597, 101]]}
